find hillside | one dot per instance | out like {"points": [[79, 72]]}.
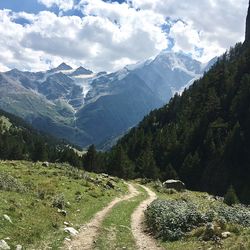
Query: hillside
{"points": [[38, 202], [201, 136], [19, 141], [60, 207]]}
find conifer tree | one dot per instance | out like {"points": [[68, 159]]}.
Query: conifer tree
{"points": [[231, 197]]}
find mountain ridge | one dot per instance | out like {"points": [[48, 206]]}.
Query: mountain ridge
{"points": [[68, 102]]}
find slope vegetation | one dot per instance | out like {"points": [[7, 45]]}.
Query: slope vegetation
{"points": [[203, 135]]}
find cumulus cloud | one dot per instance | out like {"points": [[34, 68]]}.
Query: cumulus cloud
{"points": [[61, 4], [109, 34], [212, 25]]}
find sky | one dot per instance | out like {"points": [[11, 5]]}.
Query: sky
{"points": [[106, 35]]}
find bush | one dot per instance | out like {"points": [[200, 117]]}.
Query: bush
{"points": [[172, 219], [59, 201], [231, 197], [9, 183], [237, 214]]}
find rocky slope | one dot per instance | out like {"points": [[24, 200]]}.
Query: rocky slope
{"points": [[84, 107]]}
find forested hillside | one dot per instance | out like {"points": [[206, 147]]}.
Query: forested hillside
{"points": [[18, 141], [202, 136]]}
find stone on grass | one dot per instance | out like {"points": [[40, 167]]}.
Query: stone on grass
{"points": [[225, 235], [6, 217], [19, 247], [62, 212], [174, 184], [45, 164], [4, 245], [72, 231]]}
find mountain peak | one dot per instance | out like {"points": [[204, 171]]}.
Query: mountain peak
{"points": [[64, 66], [247, 38], [81, 71]]}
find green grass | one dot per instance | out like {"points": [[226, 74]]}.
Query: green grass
{"points": [[36, 223], [116, 228], [240, 239]]}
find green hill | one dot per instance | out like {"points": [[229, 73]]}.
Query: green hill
{"points": [[18, 141], [38, 201], [202, 136]]}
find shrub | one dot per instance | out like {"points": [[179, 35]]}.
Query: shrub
{"points": [[59, 201], [237, 214], [231, 197], [9, 183], [172, 219]]}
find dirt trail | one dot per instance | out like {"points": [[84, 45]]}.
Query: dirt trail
{"points": [[88, 233], [143, 240]]}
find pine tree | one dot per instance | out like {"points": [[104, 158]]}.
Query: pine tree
{"points": [[231, 197], [147, 165], [90, 159], [120, 165]]}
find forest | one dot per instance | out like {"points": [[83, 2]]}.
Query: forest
{"points": [[19, 141], [201, 137]]}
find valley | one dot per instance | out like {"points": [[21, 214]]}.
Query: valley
{"points": [[71, 103], [139, 139]]}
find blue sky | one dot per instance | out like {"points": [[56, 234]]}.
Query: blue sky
{"points": [[107, 35]]}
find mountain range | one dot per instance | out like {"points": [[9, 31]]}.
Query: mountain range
{"points": [[96, 108]]}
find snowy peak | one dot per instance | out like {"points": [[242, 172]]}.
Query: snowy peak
{"points": [[173, 61], [63, 66], [81, 71]]}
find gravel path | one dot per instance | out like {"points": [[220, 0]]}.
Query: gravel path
{"points": [[143, 240], [86, 238]]}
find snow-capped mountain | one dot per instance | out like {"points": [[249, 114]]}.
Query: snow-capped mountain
{"points": [[86, 107]]}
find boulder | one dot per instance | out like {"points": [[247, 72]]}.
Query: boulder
{"points": [[71, 231], [45, 164], [4, 245], [225, 235], [174, 184]]}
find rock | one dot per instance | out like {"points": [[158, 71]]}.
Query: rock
{"points": [[225, 235], [71, 231], [66, 223], [67, 239], [174, 184], [4, 245], [19, 247], [62, 212], [105, 175], [6, 217], [45, 164]]}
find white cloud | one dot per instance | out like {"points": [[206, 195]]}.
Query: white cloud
{"points": [[62, 4], [212, 25], [110, 35]]}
